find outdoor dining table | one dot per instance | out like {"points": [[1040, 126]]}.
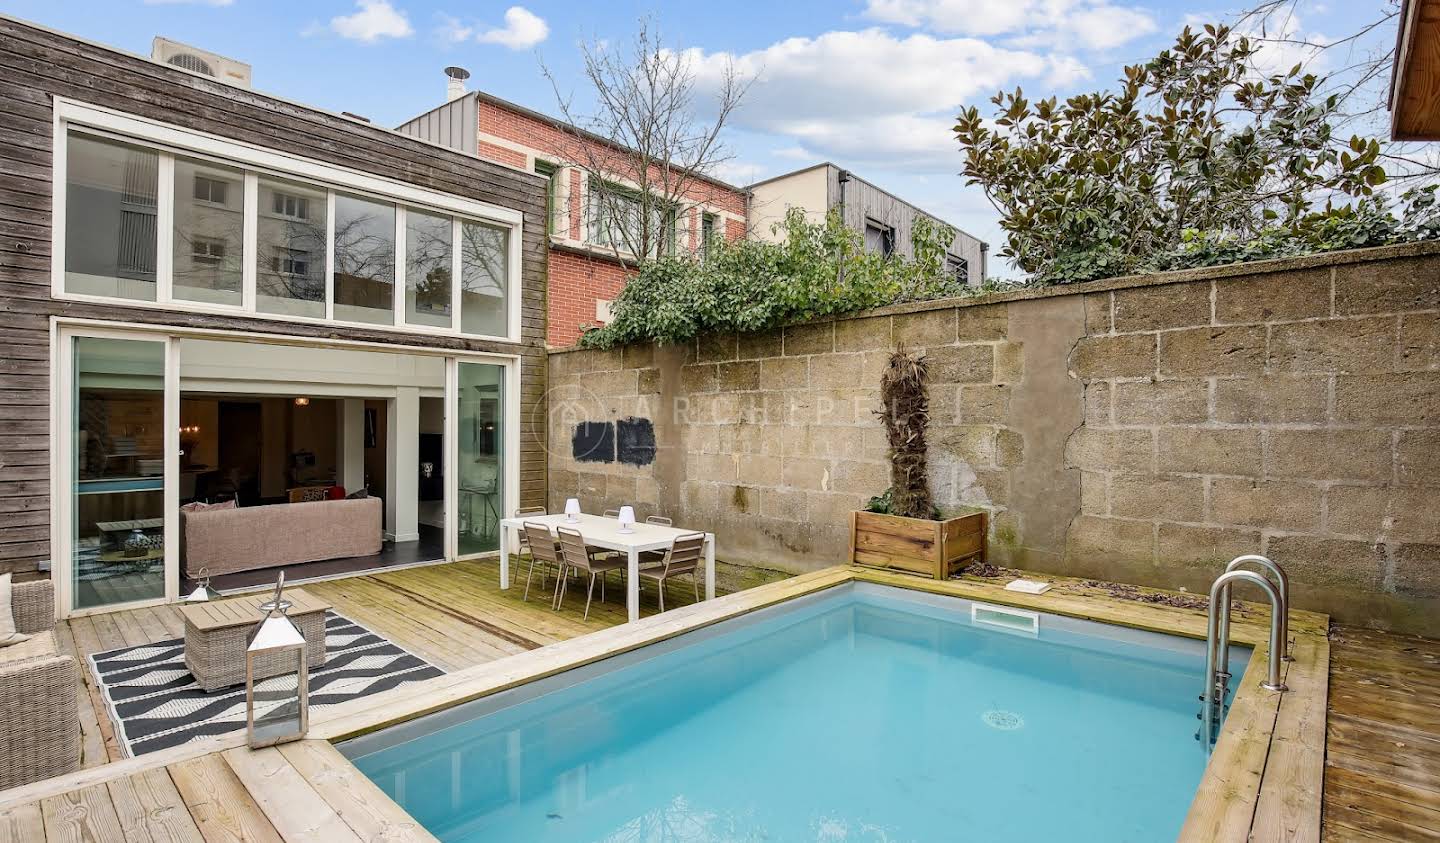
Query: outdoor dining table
{"points": [[603, 532]]}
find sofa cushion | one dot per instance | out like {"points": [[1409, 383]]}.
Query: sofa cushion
{"points": [[10, 634], [38, 646]]}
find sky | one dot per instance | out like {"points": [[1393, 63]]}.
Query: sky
{"points": [[872, 85]]}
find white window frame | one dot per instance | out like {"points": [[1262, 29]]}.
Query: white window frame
{"points": [[62, 438], [256, 161]]}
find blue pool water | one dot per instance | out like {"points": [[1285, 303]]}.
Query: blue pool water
{"points": [[862, 714]]}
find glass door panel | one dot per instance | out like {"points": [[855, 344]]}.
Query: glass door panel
{"points": [[481, 457], [118, 418]]}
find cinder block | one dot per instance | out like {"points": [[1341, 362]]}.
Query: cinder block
{"points": [[1201, 352], [1129, 356], [1199, 450], [1274, 296], [1162, 306], [1273, 504], [1334, 345]]}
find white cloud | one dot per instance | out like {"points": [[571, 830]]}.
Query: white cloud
{"points": [[1069, 24], [1284, 43], [453, 30], [376, 19], [825, 94], [523, 29]]}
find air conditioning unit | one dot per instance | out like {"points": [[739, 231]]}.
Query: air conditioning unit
{"points": [[199, 61]]}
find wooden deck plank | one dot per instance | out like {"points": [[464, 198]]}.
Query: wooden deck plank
{"points": [[1294, 784], [82, 816], [294, 807], [360, 803], [1382, 765], [88, 642], [150, 809], [223, 810], [92, 737], [22, 824]]}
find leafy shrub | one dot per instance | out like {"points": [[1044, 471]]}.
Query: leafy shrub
{"points": [[818, 271]]}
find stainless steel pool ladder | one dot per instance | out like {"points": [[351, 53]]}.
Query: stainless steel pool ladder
{"points": [[1217, 643]]}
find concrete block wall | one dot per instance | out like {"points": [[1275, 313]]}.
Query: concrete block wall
{"points": [[1142, 429]]}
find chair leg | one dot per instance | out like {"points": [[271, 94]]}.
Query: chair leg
{"points": [[561, 580], [589, 593], [528, 575], [603, 577], [695, 581], [660, 586]]}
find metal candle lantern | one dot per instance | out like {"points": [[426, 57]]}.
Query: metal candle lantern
{"points": [[277, 679]]}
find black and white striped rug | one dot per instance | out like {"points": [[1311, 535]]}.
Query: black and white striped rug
{"points": [[155, 702]]}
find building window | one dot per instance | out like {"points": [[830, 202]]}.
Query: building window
{"points": [[206, 251], [209, 189], [484, 278], [294, 263], [879, 238], [428, 267], [364, 260], [291, 206], [615, 216], [958, 268], [111, 195], [707, 233], [287, 281], [208, 215], [271, 245]]}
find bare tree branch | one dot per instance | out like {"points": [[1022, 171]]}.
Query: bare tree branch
{"points": [[646, 153]]}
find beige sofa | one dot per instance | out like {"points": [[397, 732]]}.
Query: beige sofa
{"points": [[224, 541]]}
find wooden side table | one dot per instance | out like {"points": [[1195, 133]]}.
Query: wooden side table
{"points": [[215, 635]]}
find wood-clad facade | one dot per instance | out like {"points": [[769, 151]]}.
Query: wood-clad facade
{"points": [[39, 67]]}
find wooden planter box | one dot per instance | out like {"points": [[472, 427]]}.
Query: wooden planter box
{"points": [[917, 545]]}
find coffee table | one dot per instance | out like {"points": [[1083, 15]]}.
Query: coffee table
{"points": [[215, 634]]}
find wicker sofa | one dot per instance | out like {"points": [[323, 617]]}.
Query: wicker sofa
{"points": [[39, 687], [224, 541]]}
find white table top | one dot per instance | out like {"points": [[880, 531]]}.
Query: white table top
{"points": [[600, 531]]}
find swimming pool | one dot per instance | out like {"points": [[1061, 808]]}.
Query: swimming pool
{"points": [[859, 713]]}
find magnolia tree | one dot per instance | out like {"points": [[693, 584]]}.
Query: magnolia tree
{"points": [[1194, 143]]}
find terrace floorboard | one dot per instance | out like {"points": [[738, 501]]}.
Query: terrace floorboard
{"points": [[1381, 710]]}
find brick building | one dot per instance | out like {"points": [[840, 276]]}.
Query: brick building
{"points": [[584, 276]]}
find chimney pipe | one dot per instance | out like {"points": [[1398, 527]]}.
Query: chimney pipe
{"points": [[455, 87]]}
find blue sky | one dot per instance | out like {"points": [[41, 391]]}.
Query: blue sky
{"points": [[870, 84]]}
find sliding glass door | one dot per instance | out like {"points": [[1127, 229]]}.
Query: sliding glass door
{"points": [[119, 442], [480, 456]]}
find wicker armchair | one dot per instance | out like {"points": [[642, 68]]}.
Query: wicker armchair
{"points": [[39, 684]]}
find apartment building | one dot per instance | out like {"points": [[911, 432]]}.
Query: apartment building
{"points": [[584, 274], [882, 218]]}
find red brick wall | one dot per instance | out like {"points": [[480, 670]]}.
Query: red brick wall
{"points": [[536, 134], [504, 155], [576, 283]]}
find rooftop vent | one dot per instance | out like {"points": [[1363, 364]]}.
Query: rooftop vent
{"points": [[455, 87], [200, 61]]}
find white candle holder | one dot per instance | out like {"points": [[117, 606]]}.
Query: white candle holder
{"points": [[572, 510], [627, 519]]}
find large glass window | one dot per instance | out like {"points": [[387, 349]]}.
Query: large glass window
{"points": [[119, 471], [269, 244], [209, 233], [480, 458], [290, 250], [428, 267], [110, 222], [364, 260], [484, 270], [616, 220]]}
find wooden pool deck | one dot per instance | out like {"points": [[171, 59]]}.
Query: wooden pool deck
{"points": [[1270, 770]]}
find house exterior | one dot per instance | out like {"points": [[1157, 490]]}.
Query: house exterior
{"points": [[584, 276], [213, 296], [882, 218]]}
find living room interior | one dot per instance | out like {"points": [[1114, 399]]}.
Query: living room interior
{"points": [[358, 426]]}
